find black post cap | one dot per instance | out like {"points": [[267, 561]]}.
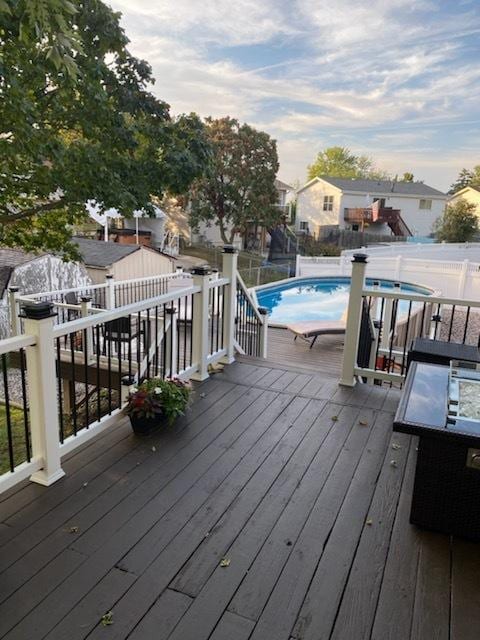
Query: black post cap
{"points": [[128, 380], [397, 285], [86, 298], [359, 257], [229, 248], [201, 270], [109, 276], [170, 310], [13, 289], [179, 267], [37, 310], [263, 311]]}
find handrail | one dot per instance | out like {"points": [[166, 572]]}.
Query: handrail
{"points": [[16, 342], [249, 298], [113, 314]]}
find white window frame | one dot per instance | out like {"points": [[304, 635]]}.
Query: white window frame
{"points": [[425, 204], [328, 203]]}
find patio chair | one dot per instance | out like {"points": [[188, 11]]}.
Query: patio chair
{"points": [[317, 328]]}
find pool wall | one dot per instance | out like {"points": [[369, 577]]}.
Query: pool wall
{"points": [[422, 289]]}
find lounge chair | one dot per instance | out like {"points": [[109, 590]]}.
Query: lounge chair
{"points": [[317, 328]]}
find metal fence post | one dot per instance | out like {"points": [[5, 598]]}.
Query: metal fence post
{"points": [[42, 393], [229, 270], [15, 329], [201, 278], [354, 316]]}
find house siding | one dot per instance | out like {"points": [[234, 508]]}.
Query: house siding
{"points": [[470, 195], [310, 208]]}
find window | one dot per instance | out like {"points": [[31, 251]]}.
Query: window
{"points": [[425, 204], [303, 225], [328, 203]]}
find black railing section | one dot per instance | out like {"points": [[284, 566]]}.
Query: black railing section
{"points": [[247, 324], [216, 313], [95, 365], [131, 292], [398, 321], [15, 442]]}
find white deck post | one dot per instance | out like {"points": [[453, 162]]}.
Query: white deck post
{"points": [[463, 279], [229, 270], [171, 345], [110, 292], [13, 311], [201, 278], [42, 393], [263, 332], [354, 316]]}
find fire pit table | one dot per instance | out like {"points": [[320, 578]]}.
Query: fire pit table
{"points": [[446, 494]]}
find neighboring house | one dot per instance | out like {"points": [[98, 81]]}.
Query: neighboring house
{"points": [[470, 194], [210, 233], [34, 273], [384, 207], [123, 261]]}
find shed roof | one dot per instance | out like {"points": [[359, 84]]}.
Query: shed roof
{"points": [[282, 186], [97, 253]]}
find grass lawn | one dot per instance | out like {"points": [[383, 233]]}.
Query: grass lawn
{"points": [[18, 438]]}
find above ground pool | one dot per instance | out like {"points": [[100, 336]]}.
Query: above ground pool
{"points": [[307, 299]]}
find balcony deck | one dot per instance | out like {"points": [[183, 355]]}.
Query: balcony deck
{"points": [[280, 476]]}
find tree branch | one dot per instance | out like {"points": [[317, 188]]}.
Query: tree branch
{"points": [[9, 218]]}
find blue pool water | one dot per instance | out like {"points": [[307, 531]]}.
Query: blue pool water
{"points": [[306, 299]]}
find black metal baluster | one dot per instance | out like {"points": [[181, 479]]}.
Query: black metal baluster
{"points": [[26, 422], [85, 372], [8, 416], [59, 389], [73, 395], [467, 317]]}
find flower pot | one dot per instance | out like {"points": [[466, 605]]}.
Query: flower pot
{"points": [[144, 426]]}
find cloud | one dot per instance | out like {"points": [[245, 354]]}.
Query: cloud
{"points": [[388, 78]]}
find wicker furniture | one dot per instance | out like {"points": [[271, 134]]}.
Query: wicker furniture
{"points": [[446, 495]]}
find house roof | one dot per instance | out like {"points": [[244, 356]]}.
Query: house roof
{"points": [[462, 191], [282, 186], [97, 253], [378, 186]]}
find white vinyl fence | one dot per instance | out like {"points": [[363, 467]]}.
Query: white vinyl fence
{"points": [[453, 278]]}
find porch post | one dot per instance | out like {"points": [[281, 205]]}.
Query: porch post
{"points": [[263, 332], [201, 278], [42, 394], [171, 345], [13, 311], [229, 270], [110, 291], [354, 316]]}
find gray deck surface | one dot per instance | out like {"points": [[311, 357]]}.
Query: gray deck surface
{"points": [[324, 357], [296, 484]]}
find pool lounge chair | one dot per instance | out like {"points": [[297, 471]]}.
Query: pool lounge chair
{"points": [[316, 328]]}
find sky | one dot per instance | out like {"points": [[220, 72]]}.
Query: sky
{"points": [[398, 80]]}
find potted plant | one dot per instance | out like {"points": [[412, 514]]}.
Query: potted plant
{"points": [[156, 402]]}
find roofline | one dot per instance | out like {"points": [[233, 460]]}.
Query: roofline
{"points": [[317, 179], [386, 193], [454, 195]]}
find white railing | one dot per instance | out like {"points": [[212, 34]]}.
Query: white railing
{"points": [[63, 383], [453, 278], [71, 303], [382, 325]]}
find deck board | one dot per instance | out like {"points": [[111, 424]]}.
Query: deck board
{"points": [[275, 468]]}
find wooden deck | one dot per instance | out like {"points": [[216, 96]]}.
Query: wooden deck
{"points": [[276, 510], [325, 357]]}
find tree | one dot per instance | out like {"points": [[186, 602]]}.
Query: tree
{"points": [[407, 177], [78, 122], [340, 162], [466, 178], [238, 189], [459, 223]]}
